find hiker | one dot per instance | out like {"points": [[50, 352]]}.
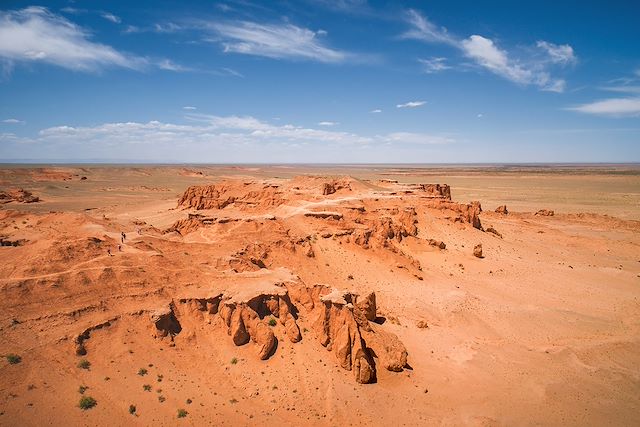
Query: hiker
{"points": [[119, 248], [109, 252]]}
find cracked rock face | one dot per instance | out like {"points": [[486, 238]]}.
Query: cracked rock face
{"points": [[340, 321]]}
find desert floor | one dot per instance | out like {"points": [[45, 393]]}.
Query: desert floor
{"points": [[543, 329]]}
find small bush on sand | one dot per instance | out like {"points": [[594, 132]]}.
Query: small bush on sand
{"points": [[84, 364], [82, 389], [272, 322], [146, 387], [87, 402], [13, 359], [132, 409], [142, 372], [234, 361], [182, 413]]}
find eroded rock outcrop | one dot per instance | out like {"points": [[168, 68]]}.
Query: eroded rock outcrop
{"points": [[502, 209], [221, 195], [18, 195], [342, 323], [464, 212], [545, 212]]}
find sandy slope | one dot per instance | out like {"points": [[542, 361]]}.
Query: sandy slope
{"points": [[545, 329]]}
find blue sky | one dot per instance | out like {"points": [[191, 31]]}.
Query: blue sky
{"points": [[323, 81]]}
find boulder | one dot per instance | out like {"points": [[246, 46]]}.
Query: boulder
{"points": [[477, 251]]}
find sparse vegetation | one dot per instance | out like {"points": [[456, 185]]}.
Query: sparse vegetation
{"points": [[189, 401], [182, 413], [142, 372], [161, 398], [272, 322], [82, 389], [87, 402], [234, 360], [132, 409], [84, 364], [13, 359], [160, 377], [234, 400], [146, 387]]}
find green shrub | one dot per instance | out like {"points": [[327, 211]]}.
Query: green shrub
{"points": [[87, 402], [234, 361], [132, 409], [272, 322], [84, 364], [146, 387], [13, 359], [142, 372], [182, 413], [82, 389]]}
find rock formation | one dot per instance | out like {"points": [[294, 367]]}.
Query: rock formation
{"points": [[502, 209], [341, 322], [545, 212], [18, 195]]}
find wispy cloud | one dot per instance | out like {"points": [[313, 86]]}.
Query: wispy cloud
{"points": [[411, 104], [376, 111], [418, 138], [613, 107], [425, 30], [111, 17], [326, 123], [280, 41], [434, 65], [627, 106], [487, 54], [36, 35], [13, 121], [168, 65], [559, 54], [190, 108]]}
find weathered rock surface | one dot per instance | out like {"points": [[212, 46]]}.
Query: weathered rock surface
{"points": [[221, 195], [477, 250], [18, 195], [545, 212], [465, 212], [502, 209]]}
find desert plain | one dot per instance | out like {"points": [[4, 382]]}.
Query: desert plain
{"points": [[320, 295]]}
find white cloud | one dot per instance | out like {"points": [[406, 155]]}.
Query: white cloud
{"points": [[168, 27], [411, 104], [417, 138], [479, 115], [425, 30], [13, 121], [223, 130], [35, 34], [434, 65], [168, 65], [328, 124], [284, 41], [485, 53], [377, 110], [111, 17], [559, 54], [189, 108], [613, 107]]}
